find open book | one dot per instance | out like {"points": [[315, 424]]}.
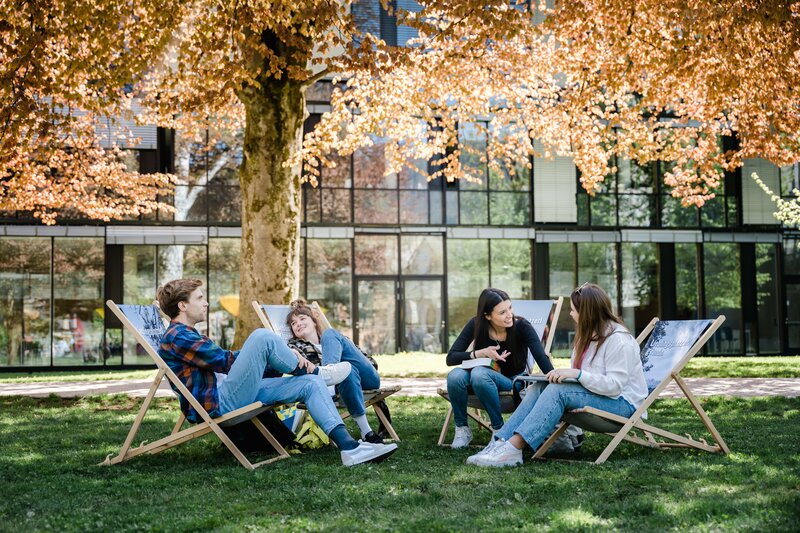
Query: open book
{"points": [[541, 377], [472, 363]]}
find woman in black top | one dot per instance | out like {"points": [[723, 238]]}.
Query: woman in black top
{"points": [[495, 333]]}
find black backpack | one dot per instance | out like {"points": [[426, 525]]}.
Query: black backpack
{"points": [[246, 436]]}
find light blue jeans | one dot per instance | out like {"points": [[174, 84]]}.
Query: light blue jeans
{"points": [[544, 404], [485, 383], [244, 383], [363, 376]]}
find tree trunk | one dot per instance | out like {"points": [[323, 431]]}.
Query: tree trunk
{"points": [[269, 265]]}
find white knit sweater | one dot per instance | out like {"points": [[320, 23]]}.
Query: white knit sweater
{"points": [[616, 369]]}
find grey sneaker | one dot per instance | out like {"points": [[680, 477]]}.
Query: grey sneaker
{"points": [[471, 460], [367, 452], [335, 373], [462, 437], [503, 454]]}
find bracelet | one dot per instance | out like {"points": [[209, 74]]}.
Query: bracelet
{"points": [[579, 375]]}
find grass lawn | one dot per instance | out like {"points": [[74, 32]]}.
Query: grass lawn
{"points": [[50, 480], [425, 365]]}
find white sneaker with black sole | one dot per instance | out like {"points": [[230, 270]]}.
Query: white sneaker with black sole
{"points": [[367, 452], [335, 373]]}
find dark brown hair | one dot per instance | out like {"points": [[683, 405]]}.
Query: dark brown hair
{"points": [[301, 307], [595, 315], [176, 291]]}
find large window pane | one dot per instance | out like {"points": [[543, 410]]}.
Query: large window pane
{"points": [[723, 295], [329, 274], [421, 255], [686, 281], [467, 276], [369, 167], [674, 215], [181, 261], [139, 280], [414, 207], [376, 207], [510, 208], [78, 301], [791, 257], [639, 284], [375, 255], [597, 263], [561, 257], [336, 205], [338, 176], [24, 301], [472, 142], [604, 209], [223, 289], [767, 298], [474, 208], [511, 267], [636, 210]]}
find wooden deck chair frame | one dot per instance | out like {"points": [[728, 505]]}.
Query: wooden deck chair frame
{"points": [[208, 425], [371, 397], [621, 428], [474, 407]]}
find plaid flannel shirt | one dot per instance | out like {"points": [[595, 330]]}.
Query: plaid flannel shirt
{"points": [[195, 358]]}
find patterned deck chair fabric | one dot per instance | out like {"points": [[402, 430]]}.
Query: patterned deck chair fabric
{"points": [[670, 346], [273, 317], [145, 324], [543, 316]]}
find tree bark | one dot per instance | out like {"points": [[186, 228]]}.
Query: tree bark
{"points": [[269, 259]]}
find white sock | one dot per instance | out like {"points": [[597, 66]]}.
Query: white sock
{"points": [[363, 424]]}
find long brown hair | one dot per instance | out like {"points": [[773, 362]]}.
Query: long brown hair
{"points": [[595, 315], [301, 307]]}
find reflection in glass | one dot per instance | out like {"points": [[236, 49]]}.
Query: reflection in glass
{"points": [[329, 274], [223, 289], [636, 210], [336, 205], [376, 255], [472, 142], [511, 267], [180, 261], [639, 284], [674, 215], [435, 207], [78, 270], [369, 167], [723, 295], [793, 316], [313, 206], [686, 281], [451, 199], [414, 207], [421, 255], [415, 176], [474, 208], [712, 214], [24, 301], [375, 206], [597, 263], [561, 259], [604, 209], [767, 299], [377, 315], [510, 208], [224, 203], [338, 176], [467, 276], [422, 328], [791, 256], [139, 287]]}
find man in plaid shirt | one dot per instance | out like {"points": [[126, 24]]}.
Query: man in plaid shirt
{"points": [[223, 380]]}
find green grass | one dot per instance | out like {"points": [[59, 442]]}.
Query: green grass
{"points": [[425, 365], [51, 481]]}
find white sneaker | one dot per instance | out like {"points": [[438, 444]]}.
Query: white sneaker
{"points": [[471, 460], [462, 438], [503, 454], [335, 373], [367, 453]]}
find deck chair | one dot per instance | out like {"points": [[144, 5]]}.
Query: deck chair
{"points": [[146, 325], [670, 346], [273, 317], [543, 315]]}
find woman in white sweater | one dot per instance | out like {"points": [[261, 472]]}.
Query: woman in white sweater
{"points": [[606, 374]]}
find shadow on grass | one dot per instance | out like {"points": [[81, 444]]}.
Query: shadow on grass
{"points": [[51, 480]]}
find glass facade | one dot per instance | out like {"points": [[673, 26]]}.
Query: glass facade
{"points": [[413, 255]]}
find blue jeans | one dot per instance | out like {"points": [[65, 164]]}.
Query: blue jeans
{"points": [[244, 384], [544, 404], [363, 376], [485, 383]]}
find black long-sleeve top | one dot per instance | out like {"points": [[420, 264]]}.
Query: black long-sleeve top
{"points": [[516, 361]]}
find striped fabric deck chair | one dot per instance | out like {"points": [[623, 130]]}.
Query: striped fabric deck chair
{"points": [[146, 325], [273, 317], [543, 315], [669, 348]]}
